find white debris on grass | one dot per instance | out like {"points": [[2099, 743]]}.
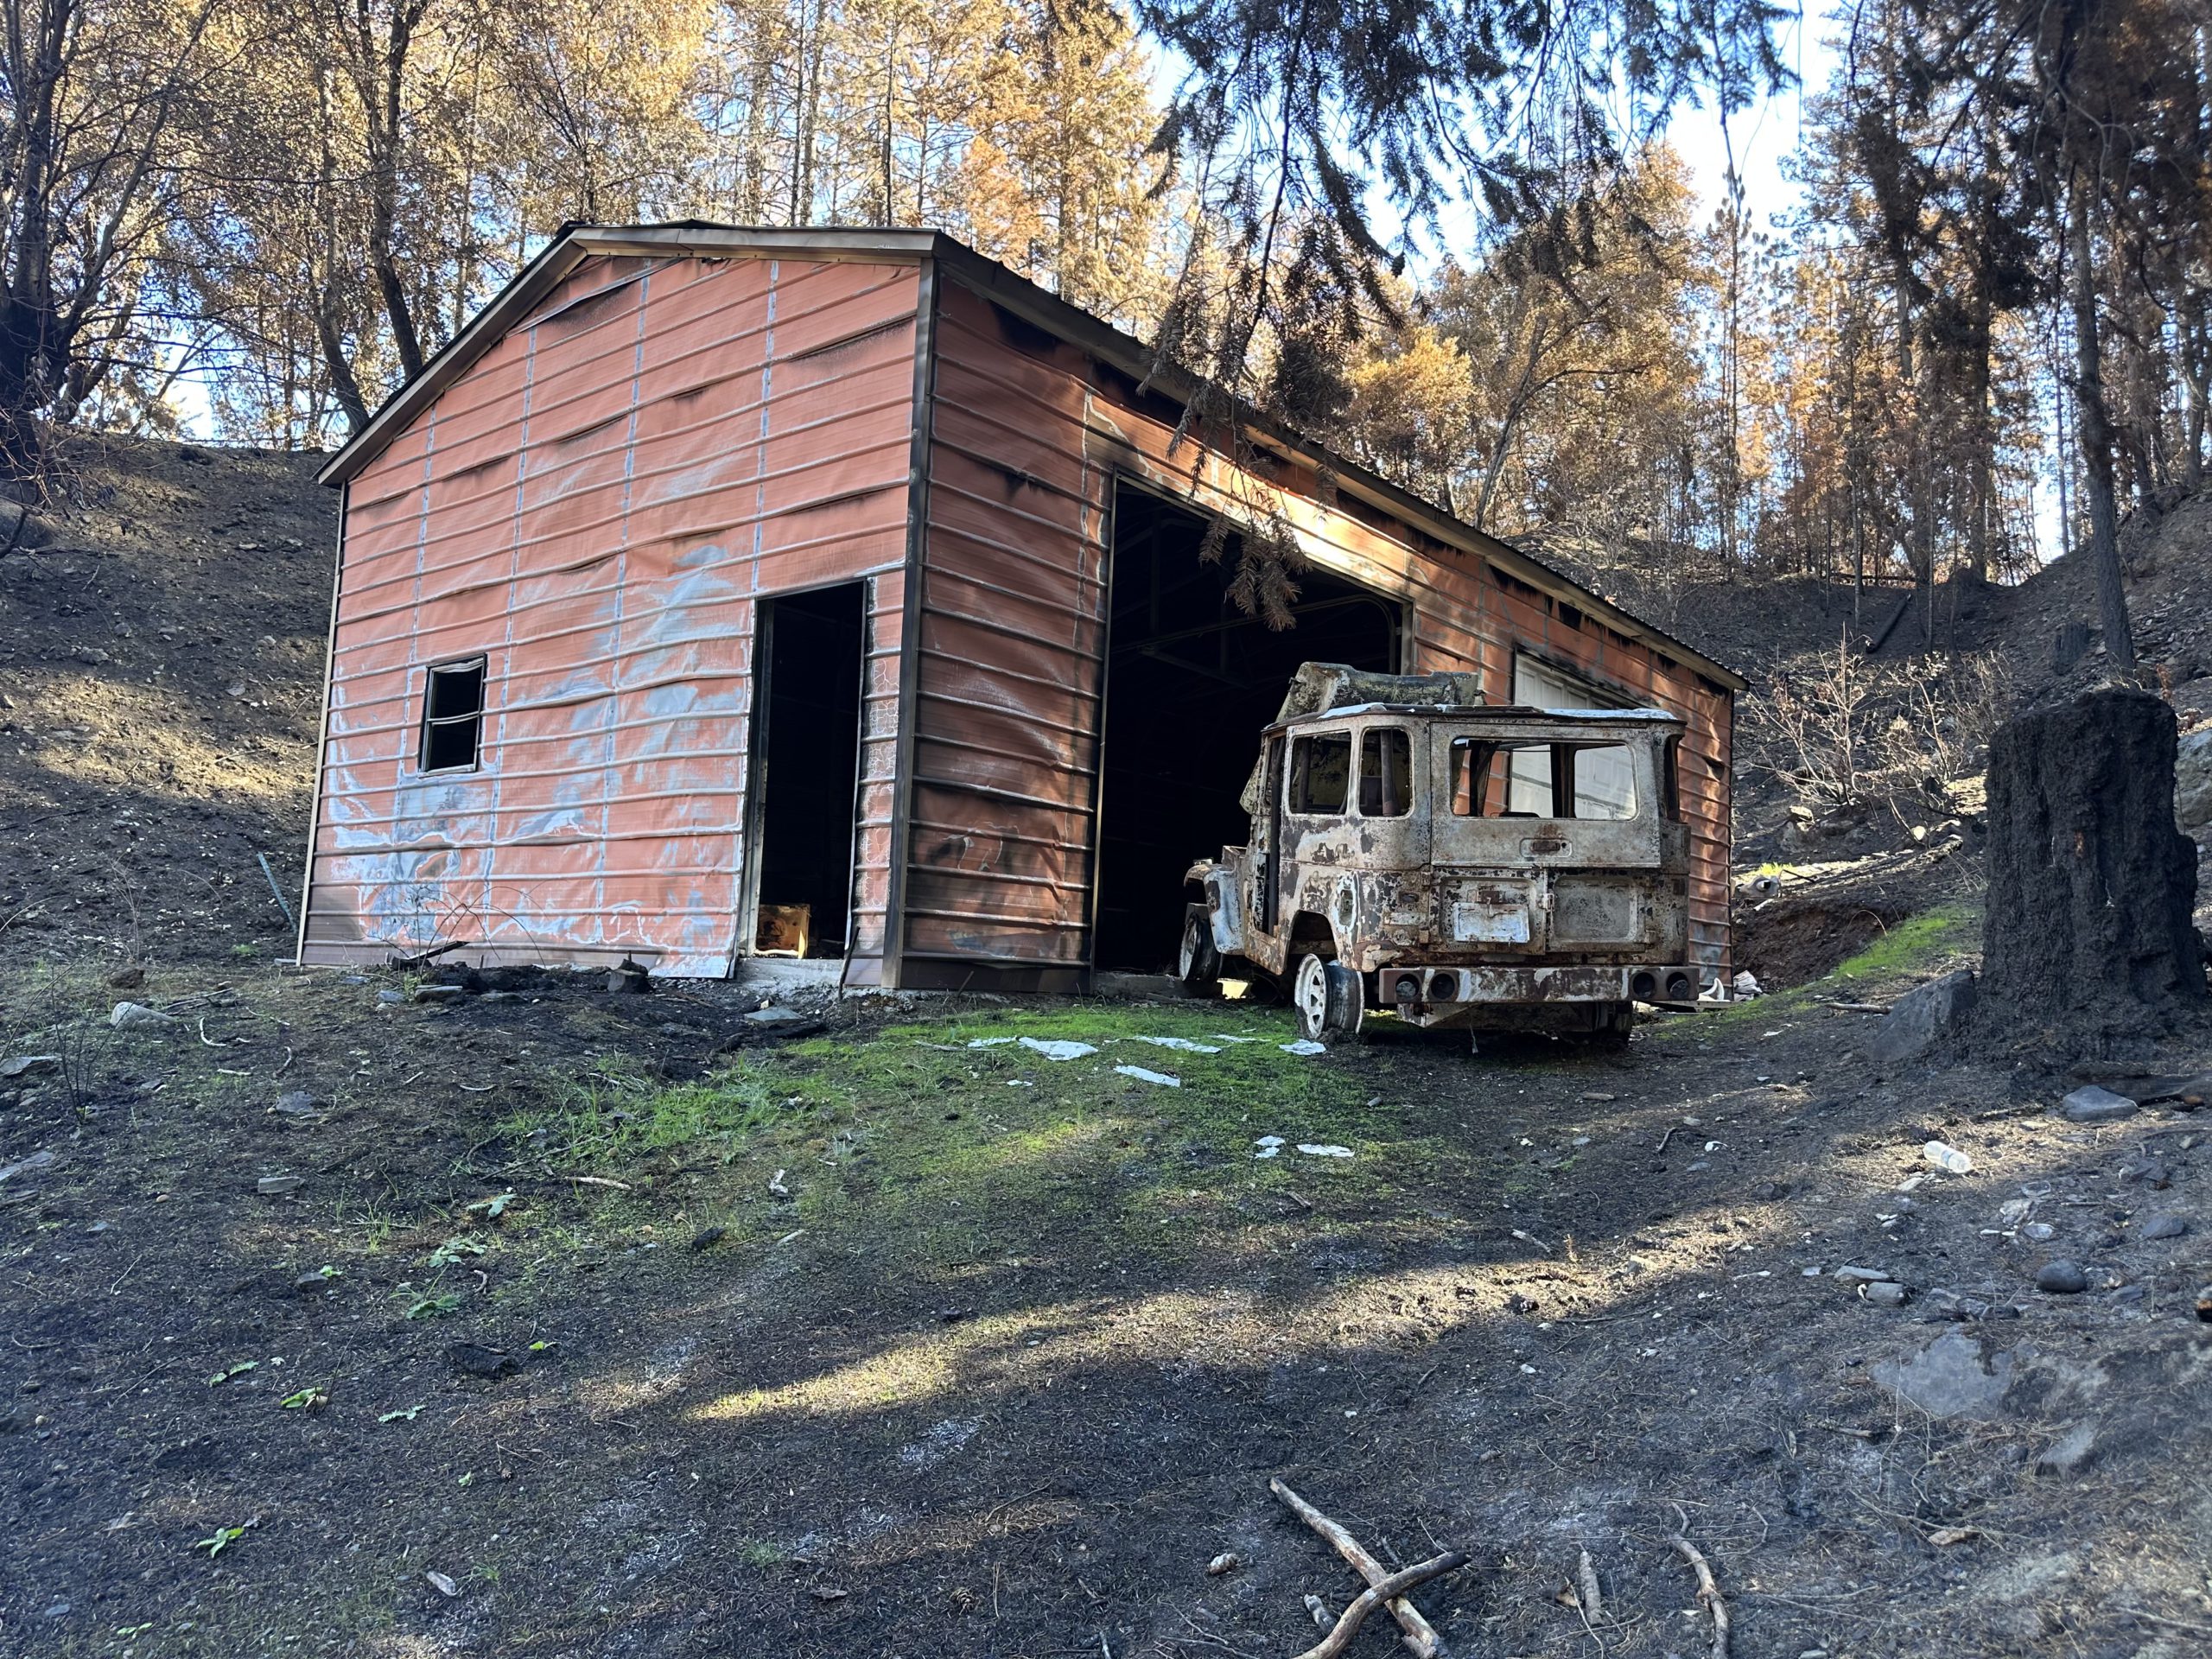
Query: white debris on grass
{"points": [[1020, 1082], [1304, 1046], [1058, 1048], [987, 1042], [1269, 1146], [1184, 1044], [1313, 1150], [1143, 1076], [1224, 1037]]}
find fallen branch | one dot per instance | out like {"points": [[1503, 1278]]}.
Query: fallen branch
{"points": [[1709, 1593], [599, 1181], [431, 955], [1379, 1595], [1586, 1586], [1420, 1635], [1855, 1007], [790, 1031]]}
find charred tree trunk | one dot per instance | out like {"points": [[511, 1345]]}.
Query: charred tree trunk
{"points": [[2096, 437], [2087, 936]]}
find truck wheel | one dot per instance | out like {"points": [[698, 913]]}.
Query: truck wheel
{"points": [[1327, 997], [1198, 961]]}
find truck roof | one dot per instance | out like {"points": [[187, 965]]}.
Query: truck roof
{"points": [[1504, 713]]}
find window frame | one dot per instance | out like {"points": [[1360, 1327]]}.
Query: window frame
{"points": [[481, 662], [1297, 771], [1355, 806], [1561, 756]]}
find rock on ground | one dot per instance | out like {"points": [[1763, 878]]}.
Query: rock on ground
{"points": [[1922, 1017]]}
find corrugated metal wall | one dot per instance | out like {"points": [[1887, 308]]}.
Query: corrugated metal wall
{"points": [[1029, 436], [597, 503]]}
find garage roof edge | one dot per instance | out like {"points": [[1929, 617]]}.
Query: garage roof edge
{"points": [[576, 243]]}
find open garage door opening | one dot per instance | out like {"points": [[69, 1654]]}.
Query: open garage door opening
{"points": [[1191, 680], [806, 755]]}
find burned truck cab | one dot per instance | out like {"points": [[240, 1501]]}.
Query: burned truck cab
{"points": [[1454, 864]]}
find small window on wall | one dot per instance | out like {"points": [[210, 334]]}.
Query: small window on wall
{"points": [[453, 716], [1386, 773], [1320, 772]]}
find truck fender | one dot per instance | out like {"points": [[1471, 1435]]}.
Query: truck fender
{"points": [[1223, 901]]}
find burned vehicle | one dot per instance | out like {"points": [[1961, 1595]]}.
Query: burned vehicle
{"points": [[1416, 852]]}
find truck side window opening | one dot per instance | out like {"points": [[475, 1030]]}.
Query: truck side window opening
{"points": [[1386, 773], [1320, 772], [453, 716], [1526, 780]]}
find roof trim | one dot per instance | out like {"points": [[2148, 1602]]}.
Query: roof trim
{"points": [[576, 242]]}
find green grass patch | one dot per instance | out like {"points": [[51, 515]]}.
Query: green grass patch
{"points": [[1915, 943], [934, 1145]]}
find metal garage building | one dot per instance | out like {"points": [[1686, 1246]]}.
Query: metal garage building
{"points": [[711, 574]]}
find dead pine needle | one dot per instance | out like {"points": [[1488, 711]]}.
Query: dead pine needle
{"points": [[1377, 1595], [1708, 1591]]}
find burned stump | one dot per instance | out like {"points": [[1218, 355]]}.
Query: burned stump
{"points": [[2087, 936]]}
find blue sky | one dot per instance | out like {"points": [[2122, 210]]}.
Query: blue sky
{"points": [[1764, 135]]}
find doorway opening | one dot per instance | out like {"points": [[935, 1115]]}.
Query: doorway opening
{"points": [[811, 648], [1191, 680]]}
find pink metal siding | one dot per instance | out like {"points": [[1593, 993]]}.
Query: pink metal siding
{"points": [[598, 503]]}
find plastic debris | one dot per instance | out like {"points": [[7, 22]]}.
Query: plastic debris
{"points": [[1184, 1044], [1304, 1046], [1269, 1146], [1312, 1150], [1143, 1076], [1949, 1160], [1058, 1048], [987, 1042]]}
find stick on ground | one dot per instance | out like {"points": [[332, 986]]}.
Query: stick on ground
{"points": [[1420, 1635], [1586, 1586], [1377, 1595], [1709, 1593]]}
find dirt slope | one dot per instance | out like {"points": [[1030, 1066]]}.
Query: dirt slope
{"points": [[161, 683], [394, 1332]]}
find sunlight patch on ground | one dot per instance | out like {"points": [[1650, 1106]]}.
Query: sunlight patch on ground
{"points": [[1229, 1328]]}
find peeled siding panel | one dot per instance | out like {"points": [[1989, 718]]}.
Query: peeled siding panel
{"points": [[1028, 436], [599, 505]]}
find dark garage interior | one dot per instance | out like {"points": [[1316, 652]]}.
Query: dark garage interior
{"points": [[1191, 680], [809, 756]]}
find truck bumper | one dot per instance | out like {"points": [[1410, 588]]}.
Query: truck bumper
{"points": [[1444, 996]]}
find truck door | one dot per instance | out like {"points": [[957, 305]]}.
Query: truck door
{"points": [[1267, 840]]}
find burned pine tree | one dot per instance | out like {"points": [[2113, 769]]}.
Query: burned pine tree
{"points": [[2087, 936]]}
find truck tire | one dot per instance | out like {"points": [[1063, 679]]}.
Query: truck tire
{"points": [[1327, 995], [1198, 960]]}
